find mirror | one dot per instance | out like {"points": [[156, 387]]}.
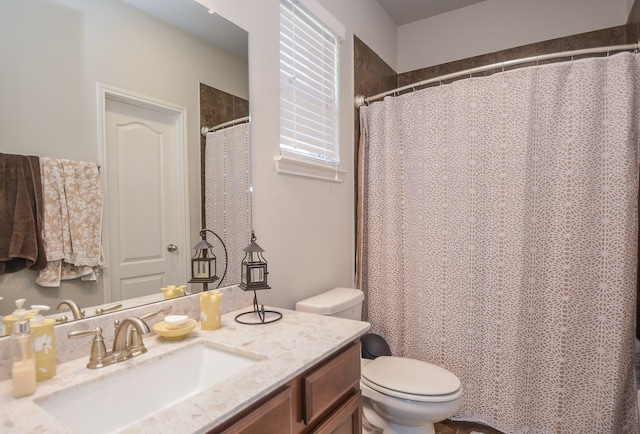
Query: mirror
{"points": [[56, 53]]}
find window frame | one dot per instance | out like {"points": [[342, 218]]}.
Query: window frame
{"points": [[309, 92]]}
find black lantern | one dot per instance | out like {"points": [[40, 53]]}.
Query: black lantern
{"points": [[203, 262], [254, 277], [254, 267]]}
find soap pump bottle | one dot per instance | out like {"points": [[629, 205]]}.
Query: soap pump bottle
{"points": [[23, 368], [44, 343], [20, 311]]}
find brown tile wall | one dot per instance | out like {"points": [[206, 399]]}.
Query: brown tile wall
{"points": [[216, 107], [633, 24], [611, 36], [371, 75]]}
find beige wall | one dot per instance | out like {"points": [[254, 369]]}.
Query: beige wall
{"points": [[495, 25]]}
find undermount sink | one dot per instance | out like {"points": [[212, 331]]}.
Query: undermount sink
{"points": [[125, 397]]}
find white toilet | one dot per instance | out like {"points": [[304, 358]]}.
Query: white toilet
{"points": [[401, 395]]}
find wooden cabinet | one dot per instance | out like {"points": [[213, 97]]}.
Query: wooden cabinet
{"points": [[325, 399], [272, 416], [346, 419]]}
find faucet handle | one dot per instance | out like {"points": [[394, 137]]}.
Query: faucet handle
{"points": [[110, 308], [99, 356]]}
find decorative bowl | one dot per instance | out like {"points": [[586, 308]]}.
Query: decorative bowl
{"points": [[174, 334]]}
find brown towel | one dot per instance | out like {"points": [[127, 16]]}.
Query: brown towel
{"points": [[21, 214]]}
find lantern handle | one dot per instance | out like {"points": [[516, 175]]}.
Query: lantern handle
{"points": [[203, 235]]}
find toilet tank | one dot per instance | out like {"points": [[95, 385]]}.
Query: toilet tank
{"points": [[338, 302]]}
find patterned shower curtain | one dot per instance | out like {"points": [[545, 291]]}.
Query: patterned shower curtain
{"points": [[499, 240], [228, 196]]}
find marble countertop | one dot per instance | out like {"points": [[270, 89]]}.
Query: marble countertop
{"points": [[283, 349]]}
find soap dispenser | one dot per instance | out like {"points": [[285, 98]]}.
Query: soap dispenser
{"points": [[23, 368], [44, 343], [10, 319]]}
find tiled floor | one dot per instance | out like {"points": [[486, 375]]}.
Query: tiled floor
{"points": [[455, 427]]}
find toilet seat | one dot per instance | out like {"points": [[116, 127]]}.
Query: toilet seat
{"points": [[411, 379]]}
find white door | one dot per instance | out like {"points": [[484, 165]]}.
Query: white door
{"points": [[146, 216]]}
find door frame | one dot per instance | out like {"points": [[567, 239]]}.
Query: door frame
{"points": [[108, 92]]}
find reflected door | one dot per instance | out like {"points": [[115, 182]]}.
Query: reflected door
{"points": [[145, 208]]}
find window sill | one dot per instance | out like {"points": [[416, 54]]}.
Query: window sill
{"points": [[290, 165]]}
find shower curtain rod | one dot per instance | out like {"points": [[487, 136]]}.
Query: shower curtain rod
{"points": [[205, 130], [361, 100]]}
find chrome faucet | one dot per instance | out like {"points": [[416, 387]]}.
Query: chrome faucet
{"points": [[73, 307], [128, 338]]}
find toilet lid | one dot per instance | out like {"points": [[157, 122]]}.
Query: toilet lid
{"points": [[410, 376]]}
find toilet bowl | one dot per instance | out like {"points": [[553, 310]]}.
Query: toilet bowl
{"points": [[408, 396], [400, 395]]}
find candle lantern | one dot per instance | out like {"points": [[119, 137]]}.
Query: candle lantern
{"points": [[254, 277], [203, 262], [254, 267]]}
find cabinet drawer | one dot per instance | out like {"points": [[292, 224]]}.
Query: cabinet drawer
{"points": [[326, 388], [272, 416], [345, 420]]}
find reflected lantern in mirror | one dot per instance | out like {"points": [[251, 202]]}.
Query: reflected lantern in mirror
{"points": [[203, 263], [254, 267]]}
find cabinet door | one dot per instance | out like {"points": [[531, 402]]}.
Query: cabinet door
{"points": [[273, 416], [326, 387], [347, 419]]}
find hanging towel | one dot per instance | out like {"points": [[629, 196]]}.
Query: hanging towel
{"points": [[21, 214], [72, 220]]}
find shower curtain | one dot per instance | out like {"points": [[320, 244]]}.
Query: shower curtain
{"points": [[228, 195], [499, 236]]}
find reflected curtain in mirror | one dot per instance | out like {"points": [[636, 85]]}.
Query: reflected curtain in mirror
{"points": [[227, 192]]}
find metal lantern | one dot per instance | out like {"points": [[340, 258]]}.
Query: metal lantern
{"points": [[254, 277], [254, 267], [203, 263]]}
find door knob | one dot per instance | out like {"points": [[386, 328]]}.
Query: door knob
{"points": [[172, 247]]}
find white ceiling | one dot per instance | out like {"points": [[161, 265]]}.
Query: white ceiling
{"points": [[408, 11]]}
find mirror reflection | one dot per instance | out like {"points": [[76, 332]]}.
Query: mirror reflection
{"points": [[74, 69]]}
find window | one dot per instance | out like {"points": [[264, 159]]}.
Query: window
{"points": [[308, 86]]}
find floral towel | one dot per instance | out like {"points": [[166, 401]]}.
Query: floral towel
{"points": [[72, 220]]}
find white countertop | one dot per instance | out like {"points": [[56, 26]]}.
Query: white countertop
{"points": [[284, 349]]}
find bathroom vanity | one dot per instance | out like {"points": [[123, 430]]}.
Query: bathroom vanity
{"points": [[298, 375], [324, 399]]}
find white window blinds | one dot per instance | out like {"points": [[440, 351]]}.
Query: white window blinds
{"points": [[308, 86]]}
